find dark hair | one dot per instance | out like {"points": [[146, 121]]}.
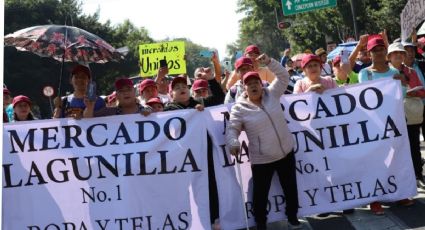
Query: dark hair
{"points": [[30, 117]]}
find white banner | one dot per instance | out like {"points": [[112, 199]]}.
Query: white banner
{"points": [[351, 149], [412, 14], [118, 172]]}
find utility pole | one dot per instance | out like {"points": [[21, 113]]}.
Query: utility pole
{"points": [[354, 19]]}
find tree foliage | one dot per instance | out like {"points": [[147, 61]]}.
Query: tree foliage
{"points": [[26, 73], [314, 29]]}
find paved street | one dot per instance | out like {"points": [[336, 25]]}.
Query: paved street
{"points": [[396, 217]]}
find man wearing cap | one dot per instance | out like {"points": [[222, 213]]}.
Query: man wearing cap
{"points": [[242, 66], [206, 72], [147, 90], [201, 90], [326, 68], [343, 73], [253, 52], [126, 102], [156, 104], [257, 112], [73, 104], [181, 99]]}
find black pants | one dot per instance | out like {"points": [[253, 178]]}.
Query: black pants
{"points": [[262, 176], [214, 214], [413, 132]]}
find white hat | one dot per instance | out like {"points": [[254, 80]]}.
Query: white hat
{"points": [[408, 44], [396, 46]]}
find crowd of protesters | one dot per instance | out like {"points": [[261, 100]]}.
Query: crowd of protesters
{"points": [[255, 86]]}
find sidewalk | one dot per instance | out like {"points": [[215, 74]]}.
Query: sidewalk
{"points": [[395, 218]]}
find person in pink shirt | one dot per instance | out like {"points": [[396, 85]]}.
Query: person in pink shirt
{"points": [[312, 81]]}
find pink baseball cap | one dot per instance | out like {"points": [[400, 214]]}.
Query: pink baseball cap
{"points": [[252, 49], [308, 58], [176, 80], [120, 83], [243, 61], [200, 84], [146, 83], [250, 74], [154, 100], [374, 42], [20, 98]]}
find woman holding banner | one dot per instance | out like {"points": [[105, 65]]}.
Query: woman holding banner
{"points": [[311, 65], [22, 109], [257, 111]]}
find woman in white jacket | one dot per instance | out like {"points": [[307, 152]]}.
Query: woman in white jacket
{"points": [[258, 112]]}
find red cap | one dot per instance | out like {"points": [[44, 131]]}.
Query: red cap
{"points": [[6, 91], [20, 98], [336, 60], [200, 84], [146, 83], [250, 74], [120, 83], [243, 61], [253, 49], [176, 80], [154, 100], [308, 58], [376, 41], [81, 68], [112, 97]]}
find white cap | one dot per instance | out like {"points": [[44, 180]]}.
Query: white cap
{"points": [[408, 44], [397, 46]]}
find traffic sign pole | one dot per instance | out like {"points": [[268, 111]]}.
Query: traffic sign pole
{"points": [[296, 6], [48, 91]]}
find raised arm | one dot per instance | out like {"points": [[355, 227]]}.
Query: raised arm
{"points": [[280, 83], [361, 45], [217, 67]]}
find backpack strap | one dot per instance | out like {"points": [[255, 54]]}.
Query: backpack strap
{"points": [[369, 74], [406, 71]]}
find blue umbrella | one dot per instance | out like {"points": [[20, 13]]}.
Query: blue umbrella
{"points": [[349, 46]]}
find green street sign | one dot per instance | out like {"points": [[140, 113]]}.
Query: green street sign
{"points": [[298, 6]]}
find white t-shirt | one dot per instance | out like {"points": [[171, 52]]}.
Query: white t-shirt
{"points": [[326, 70]]}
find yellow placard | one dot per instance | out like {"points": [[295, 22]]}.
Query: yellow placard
{"points": [[151, 54]]}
